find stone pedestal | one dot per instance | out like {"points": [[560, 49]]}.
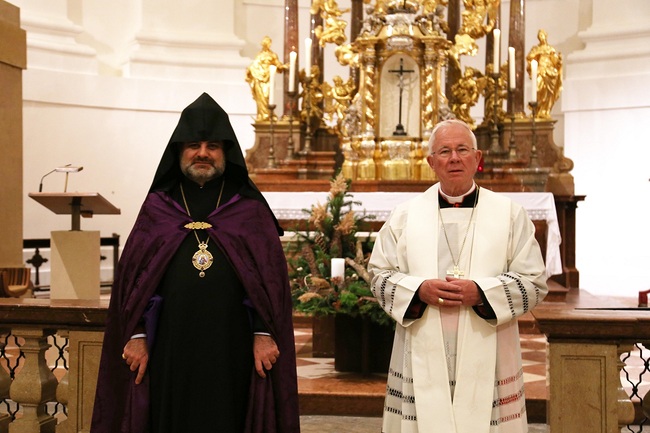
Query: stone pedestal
{"points": [[75, 265]]}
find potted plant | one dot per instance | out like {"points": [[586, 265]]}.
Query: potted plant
{"points": [[332, 236]]}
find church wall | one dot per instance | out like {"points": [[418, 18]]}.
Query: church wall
{"points": [[606, 107], [93, 96]]}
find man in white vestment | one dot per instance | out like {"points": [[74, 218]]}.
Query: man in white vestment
{"points": [[455, 267]]}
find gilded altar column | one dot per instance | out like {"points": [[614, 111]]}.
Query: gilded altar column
{"points": [[368, 85], [517, 40], [290, 44], [433, 96]]}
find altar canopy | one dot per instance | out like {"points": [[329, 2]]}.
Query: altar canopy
{"points": [[540, 206]]}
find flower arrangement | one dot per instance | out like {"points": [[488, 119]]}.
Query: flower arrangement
{"points": [[335, 227]]}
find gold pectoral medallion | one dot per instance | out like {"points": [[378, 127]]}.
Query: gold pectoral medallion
{"points": [[202, 259]]}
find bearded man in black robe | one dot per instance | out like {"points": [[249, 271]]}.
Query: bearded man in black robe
{"points": [[199, 335]]}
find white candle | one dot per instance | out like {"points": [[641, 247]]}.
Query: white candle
{"points": [[292, 71], [338, 268], [307, 57], [497, 42], [272, 69], [511, 68], [533, 79]]}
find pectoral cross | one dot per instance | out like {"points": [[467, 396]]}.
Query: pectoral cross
{"points": [[456, 272], [399, 129]]}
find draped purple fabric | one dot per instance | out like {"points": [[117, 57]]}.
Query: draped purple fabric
{"points": [[244, 229]]}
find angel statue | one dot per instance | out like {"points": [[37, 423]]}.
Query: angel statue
{"points": [[334, 29], [311, 94], [549, 74], [466, 92], [338, 97], [257, 76], [479, 17]]}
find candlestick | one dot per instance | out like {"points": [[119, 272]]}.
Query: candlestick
{"points": [[338, 268], [290, 144], [272, 70], [512, 80], [533, 78], [494, 130], [292, 71], [534, 163], [271, 163], [307, 57], [513, 147], [496, 34]]}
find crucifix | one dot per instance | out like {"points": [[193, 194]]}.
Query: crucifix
{"points": [[456, 272], [399, 129]]}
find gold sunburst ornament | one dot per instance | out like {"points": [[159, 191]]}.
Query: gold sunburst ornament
{"points": [[197, 225], [202, 259]]}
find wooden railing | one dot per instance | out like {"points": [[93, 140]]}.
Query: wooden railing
{"points": [[81, 323], [584, 359]]}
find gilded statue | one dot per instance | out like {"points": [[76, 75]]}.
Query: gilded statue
{"points": [[347, 55], [338, 97], [311, 94], [397, 6], [372, 23], [351, 124], [333, 30], [463, 45], [433, 20], [479, 17], [257, 76], [489, 94], [549, 74], [328, 7], [466, 92]]}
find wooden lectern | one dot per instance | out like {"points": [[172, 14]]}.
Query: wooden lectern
{"points": [[75, 253]]}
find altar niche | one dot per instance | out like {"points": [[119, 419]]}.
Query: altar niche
{"points": [[400, 90]]}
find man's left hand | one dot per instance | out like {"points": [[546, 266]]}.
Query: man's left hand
{"points": [[266, 353], [468, 289]]}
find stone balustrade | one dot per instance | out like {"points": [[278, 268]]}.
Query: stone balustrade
{"points": [[584, 365], [585, 345], [81, 322]]}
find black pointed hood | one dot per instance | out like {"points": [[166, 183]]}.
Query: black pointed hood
{"points": [[205, 120]]}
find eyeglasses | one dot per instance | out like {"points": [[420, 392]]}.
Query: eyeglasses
{"points": [[461, 151]]}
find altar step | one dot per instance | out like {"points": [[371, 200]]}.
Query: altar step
{"points": [[324, 391]]}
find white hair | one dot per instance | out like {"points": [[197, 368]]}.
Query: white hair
{"points": [[447, 124]]}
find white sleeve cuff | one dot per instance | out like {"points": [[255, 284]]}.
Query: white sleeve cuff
{"points": [[133, 337]]}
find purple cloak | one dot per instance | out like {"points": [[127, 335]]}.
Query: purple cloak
{"points": [[246, 231]]}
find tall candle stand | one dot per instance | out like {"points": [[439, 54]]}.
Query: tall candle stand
{"points": [[494, 131], [290, 144], [533, 146], [308, 133], [512, 147], [271, 161]]}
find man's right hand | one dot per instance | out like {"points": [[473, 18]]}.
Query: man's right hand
{"points": [[136, 356]]}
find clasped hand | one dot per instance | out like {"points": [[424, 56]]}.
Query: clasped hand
{"points": [[451, 292], [265, 352]]}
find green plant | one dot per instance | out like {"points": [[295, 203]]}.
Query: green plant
{"points": [[333, 231]]}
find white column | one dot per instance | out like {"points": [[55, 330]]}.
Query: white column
{"points": [[51, 38], [187, 40]]}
